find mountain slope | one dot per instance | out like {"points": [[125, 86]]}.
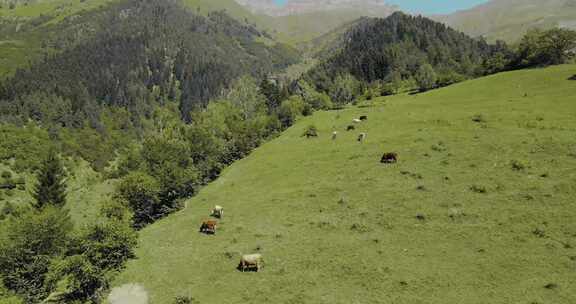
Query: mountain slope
{"points": [[137, 54], [488, 164], [303, 20], [510, 19], [399, 46], [26, 28]]}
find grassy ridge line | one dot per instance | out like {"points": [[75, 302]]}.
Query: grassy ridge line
{"points": [[476, 245], [19, 49], [57, 9], [509, 20]]}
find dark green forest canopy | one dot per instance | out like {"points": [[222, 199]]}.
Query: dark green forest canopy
{"points": [[378, 49], [137, 55]]}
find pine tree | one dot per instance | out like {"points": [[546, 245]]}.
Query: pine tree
{"points": [[51, 184]]}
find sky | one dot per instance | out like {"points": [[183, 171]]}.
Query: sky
{"points": [[427, 6]]}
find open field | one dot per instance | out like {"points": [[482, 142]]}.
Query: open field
{"points": [[479, 209]]}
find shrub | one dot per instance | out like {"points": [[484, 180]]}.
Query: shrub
{"points": [[9, 209], [74, 278], [184, 300], [108, 245], [35, 238], [114, 210], [8, 184], [426, 78], [6, 174], [478, 189], [479, 118], [310, 131], [289, 110], [344, 89], [140, 192], [20, 181], [517, 165]]}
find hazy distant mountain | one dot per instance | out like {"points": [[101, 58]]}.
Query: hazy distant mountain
{"points": [[308, 6], [510, 19], [303, 20]]}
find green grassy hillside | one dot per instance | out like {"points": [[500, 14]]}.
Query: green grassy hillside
{"points": [[488, 164]]}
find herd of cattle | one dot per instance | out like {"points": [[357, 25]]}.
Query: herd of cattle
{"points": [[254, 262], [387, 158], [248, 262]]}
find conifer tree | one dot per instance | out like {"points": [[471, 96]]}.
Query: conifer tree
{"points": [[51, 185]]}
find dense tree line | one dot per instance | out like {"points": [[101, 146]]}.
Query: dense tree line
{"points": [[44, 259], [398, 46]]}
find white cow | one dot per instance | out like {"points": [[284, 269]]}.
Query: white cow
{"points": [[251, 262], [218, 211], [362, 137], [356, 121]]}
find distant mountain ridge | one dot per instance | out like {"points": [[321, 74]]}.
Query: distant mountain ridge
{"points": [[294, 7], [509, 19]]}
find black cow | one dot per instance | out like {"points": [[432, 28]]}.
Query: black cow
{"points": [[389, 158], [363, 117], [350, 128]]}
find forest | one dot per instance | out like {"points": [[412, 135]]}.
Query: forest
{"points": [[385, 56]]}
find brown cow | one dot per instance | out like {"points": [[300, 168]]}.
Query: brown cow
{"points": [[208, 227], [389, 158]]}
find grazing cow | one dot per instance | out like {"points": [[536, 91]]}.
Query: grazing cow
{"points": [[218, 211], [356, 121], [350, 128], [334, 135], [363, 117], [361, 137], [389, 158], [251, 262], [208, 227]]}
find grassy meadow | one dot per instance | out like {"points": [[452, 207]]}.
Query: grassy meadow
{"points": [[481, 207]]}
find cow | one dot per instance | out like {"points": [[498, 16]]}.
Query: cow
{"points": [[208, 227], [389, 158], [363, 117], [334, 135], [350, 128], [217, 212], [356, 121], [251, 262], [361, 137]]}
